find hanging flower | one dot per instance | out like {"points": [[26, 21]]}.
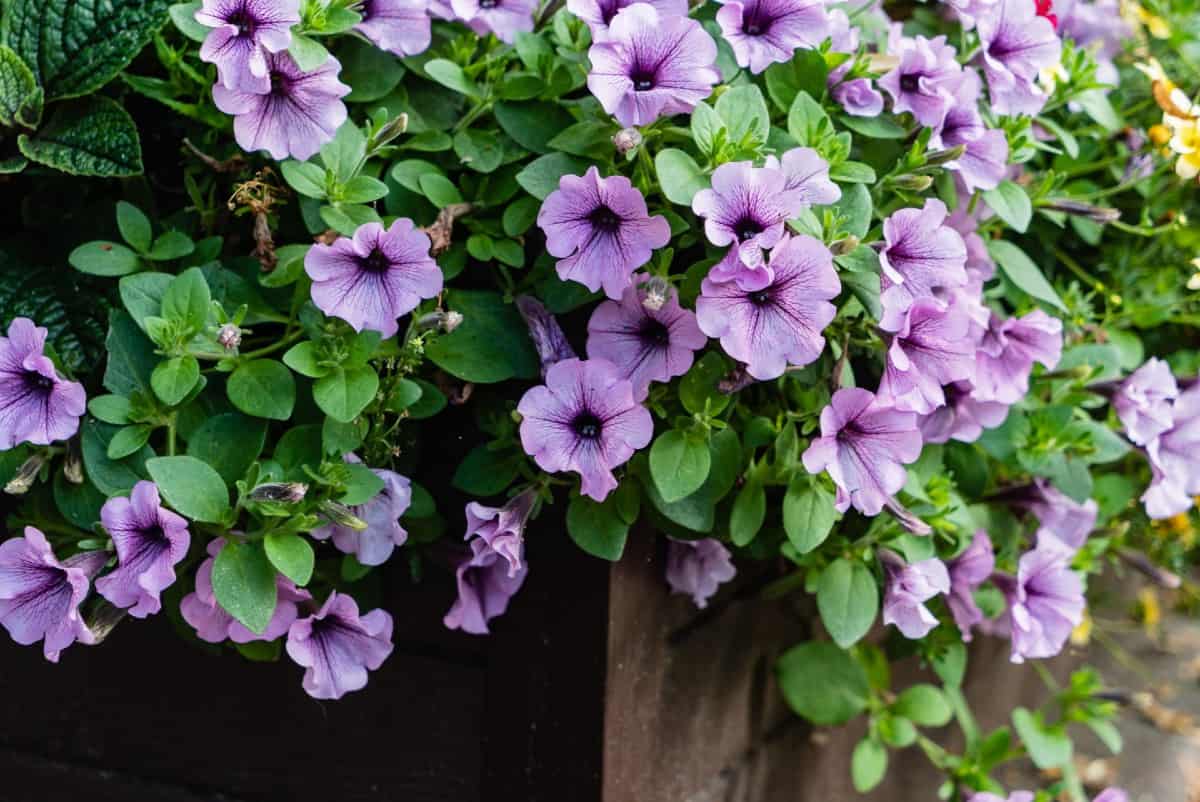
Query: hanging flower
{"points": [[985, 157], [381, 513], [244, 32], [925, 79], [37, 405], [400, 27], [909, 586], [548, 338], [930, 350], [766, 32], [150, 541], [968, 571], [502, 528], [505, 18], [374, 278], [921, 257], [1045, 602], [1143, 401], [1060, 518], [857, 97], [1175, 459], [962, 418], [598, 14], [493, 569], [1007, 353], [338, 647], [1017, 45], [698, 567]]}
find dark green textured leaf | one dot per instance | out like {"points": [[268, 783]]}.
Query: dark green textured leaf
{"points": [[93, 136], [20, 97], [111, 477]]}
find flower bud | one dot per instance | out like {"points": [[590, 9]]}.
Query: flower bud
{"points": [[102, 619], [444, 321], [1097, 214], [913, 183], [279, 492], [907, 519], [73, 464], [627, 140], [341, 515], [391, 130], [229, 337], [452, 321], [944, 156], [26, 475], [547, 335], [657, 291], [844, 245]]}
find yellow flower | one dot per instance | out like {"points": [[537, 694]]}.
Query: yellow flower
{"points": [[1159, 134], [1169, 97], [1136, 14], [1185, 141], [1149, 610]]}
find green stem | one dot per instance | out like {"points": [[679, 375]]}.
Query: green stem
{"points": [[1075, 268], [171, 436]]}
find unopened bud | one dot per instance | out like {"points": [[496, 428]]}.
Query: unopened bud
{"points": [[907, 519], [548, 338], [442, 320], [945, 156], [279, 492], [1097, 214], [229, 337], [913, 183], [1156, 574], [342, 515], [845, 245], [73, 464], [657, 290], [391, 130], [26, 475], [451, 321], [627, 140], [103, 619]]}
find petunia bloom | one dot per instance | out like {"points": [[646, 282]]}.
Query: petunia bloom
{"points": [[921, 257], [766, 32], [1062, 520], [505, 18], [698, 567], [381, 513], [1143, 401], [646, 345], [549, 340], [584, 419], [150, 541], [909, 586], [968, 11], [930, 350], [214, 625], [40, 595], [1175, 459], [968, 571], [857, 97], [338, 647], [652, 65], [1016, 45], [502, 528], [781, 323], [300, 111], [864, 447], [492, 570], [924, 80], [36, 404], [598, 14], [985, 156], [374, 278], [1045, 603], [1007, 353], [806, 173], [244, 32], [600, 230], [400, 27], [961, 418]]}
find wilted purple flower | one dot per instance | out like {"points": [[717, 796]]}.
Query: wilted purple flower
{"points": [[1175, 459], [925, 79], [150, 541], [930, 349], [1060, 517], [985, 158], [299, 113], [1017, 44], [584, 419], [214, 625], [968, 571], [781, 323], [502, 528], [909, 586], [36, 404], [962, 418], [1045, 602], [652, 65], [1007, 353], [968, 11], [505, 18], [698, 567], [865, 447], [548, 338], [244, 32], [859, 98], [646, 346], [339, 647], [599, 13], [1143, 401], [766, 32], [807, 174], [40, 596], [374, 278], [400, 27], [487, 581], [600, 230], [921, 257], [381, 513]]}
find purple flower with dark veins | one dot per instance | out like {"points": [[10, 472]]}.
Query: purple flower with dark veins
{"points": [[806, 173], [584, 419], [962, 418], [1007, 353], [864, 446], [600, 230], [921, 257], [488, 575], [338, 647], [299, 112], [968, 571], [857, 97], [968, 11], [599, 13], [40, 596], [652, 65], [646, 345], [374, 278], [698, 567], [505, 18], [985, 159], [1016, 45], [548, 338], [1143, 401], [502, 528], [909, 586], [1045, 602], [925, 79], [781, 323], [381, 513], [400, 27], [980, 266], [36, 404], [244, 32], [930, 350], [1175, 459], [766, 32], [150, 541]]}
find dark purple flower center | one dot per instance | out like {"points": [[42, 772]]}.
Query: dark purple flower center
{"points": [[655, 333], [757, 24], [279, 83], [605, 219], [37, 383], [155, 535], [608, 10], [643, 77], [488, 3], [761, 297], [376, 262], [910, 82], [587, 425], [367, 9], [747, 228], [244, 21]]}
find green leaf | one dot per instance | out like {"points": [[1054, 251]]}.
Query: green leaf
{"points": [[806, 72], [807, 121], [229, 442], [532, 124], [1011, 204], [304, 358], [490, 345], [171, 245], [590, 138], [243, 581], [191, 487], [372, 73], [597, 527], [187, 299], [92, 136], [808, 514], [128, 440], [855, 206], [698, 388], [74, 47], [924, 705], [822, 683], [1022, 272], [1096, 104], [440, 190], [20, 96], [950, 664], [173, 379], [79, 503], [183, 15], [305, 177], [744, 111], [706, 126], [451, 76], [131, 357], [486, 472], [868, 764], [853, 173], [679, 464], [102, 258], [519, 216], [749, 512], [134, 226], [142, 294], [540, 177], [344, 154], [429, 403], [880, 127], [291, 554], [848, 601], [111, 477], [680, 176], [1049, 747], [110, 408], [482, 151], [308, 52], [263, 388], [345, 393]]}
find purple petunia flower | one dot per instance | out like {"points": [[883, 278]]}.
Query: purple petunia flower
{"points": [[652, 65], [40, 596], [806, 173], [925, 79], [400, 27], [299, 112], [374, 278], [1017, 44], [1112, 795], [548, 338], [1045, 602], [931, 349], [968, 11], [244, 32], [488, 576], [502, 528], [584, 419], [1143, 401], [1015, 796], [1062, 520], [968, 571], [857, 97], [150, 541], [600, 230], [980, 266], [962, 418], [214, 625], [921, 257], [646, 345], [766, 32], [505, 18], [865, 447], [909, 586], [780, 324], [1097, 27], [1175, 459], [985, 159], [698, 567], [338, 647], [36, 404], [381, 513], [598, 14], [1007, 353]]}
